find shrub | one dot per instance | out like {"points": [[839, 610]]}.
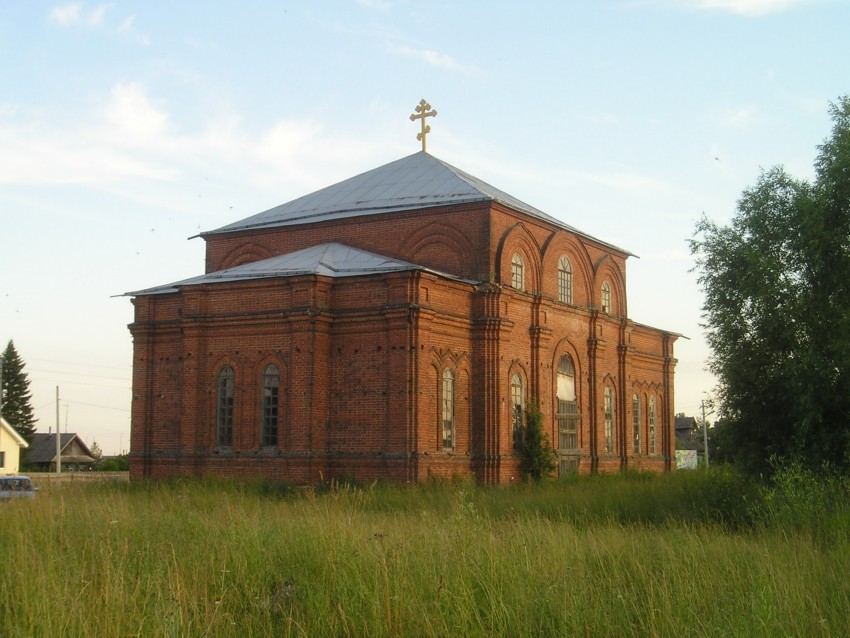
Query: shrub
{"points": [[538, 457]]}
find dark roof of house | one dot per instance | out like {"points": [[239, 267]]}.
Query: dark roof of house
{"points": [[685, 422], [413, 182], [43, 449]]}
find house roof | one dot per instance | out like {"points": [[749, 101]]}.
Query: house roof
{"points": [[4, 424], [413, 182], [43, 449], [331, 259], [685, 422]]}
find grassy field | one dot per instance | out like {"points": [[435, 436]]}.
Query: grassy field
{"points": [[688, 554]]}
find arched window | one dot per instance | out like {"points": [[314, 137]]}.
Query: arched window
{"points": [[271, 406], [517, 272], [568, 416], [448, 410], [608, 409], [517, 409], [636, 423], [606, 297], [224, 411], [652, 424], [565, 280]]}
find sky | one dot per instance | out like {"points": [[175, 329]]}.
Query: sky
{"points": [[128, 127]]}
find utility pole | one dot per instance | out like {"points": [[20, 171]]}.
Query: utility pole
{"points": [[704, 433], [58, 447]]}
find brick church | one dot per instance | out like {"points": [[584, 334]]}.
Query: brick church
{"points": [[394, 326]]}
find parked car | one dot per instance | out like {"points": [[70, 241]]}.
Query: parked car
{"points": [[16, 487]]}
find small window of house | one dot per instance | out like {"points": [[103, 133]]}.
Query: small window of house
{"points": [[448, 410], [271, 406], [517, 272], [608, 408], [224, 413], [565, 280]]}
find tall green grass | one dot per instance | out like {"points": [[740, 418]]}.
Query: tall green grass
{"points": [[686, 554]]}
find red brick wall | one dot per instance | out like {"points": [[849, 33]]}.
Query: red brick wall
{"points": [[361, 359]]}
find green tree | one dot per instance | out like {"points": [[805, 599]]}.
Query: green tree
{"points": [[538, 457], [17, 409], [95, 450], [777, 312]]}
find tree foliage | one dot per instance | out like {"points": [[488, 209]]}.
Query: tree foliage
{"points": [[777, 312], [17, 407], [538, 456]]}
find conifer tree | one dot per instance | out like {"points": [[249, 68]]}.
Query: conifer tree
{"points": [[17, 409], [538, 456]]}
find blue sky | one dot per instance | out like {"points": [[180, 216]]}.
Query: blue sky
{"points": [[128, 127]]}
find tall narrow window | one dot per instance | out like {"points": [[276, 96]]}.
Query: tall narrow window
{"points": [[517, 272], [448, 410], [517, 409], [224, 412], [636, 423], [271, 406], [565, 280], [568, 416], [606, 297], [609, 418], [652, 424]]}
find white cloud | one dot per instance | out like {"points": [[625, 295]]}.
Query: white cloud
{"points": [[95, 18], [628, 182], [432, 58], [380, 5], [67, 15], [748, 8], [132, 137], [132, 116], [741, 117]]}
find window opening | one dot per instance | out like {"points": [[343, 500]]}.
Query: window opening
{"points": [[224, 413], [609, 419], [568, 415], [271, 406], [565, 280], [517, 409], [517, 272], [448, 410]]}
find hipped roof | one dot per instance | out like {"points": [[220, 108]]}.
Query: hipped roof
{"points": [[414, 182]]}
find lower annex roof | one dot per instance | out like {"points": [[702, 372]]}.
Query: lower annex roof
{"points": [[330, 259]]}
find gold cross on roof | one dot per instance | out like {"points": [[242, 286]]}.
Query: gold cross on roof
{"points": [[423, 111]]}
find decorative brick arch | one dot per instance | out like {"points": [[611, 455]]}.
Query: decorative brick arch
{"points": [[443, 248], [517, 240], [245, 254], [563, 243], [607, 270]]}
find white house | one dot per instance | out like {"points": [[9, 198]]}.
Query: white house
{"points": [[10, 448]]}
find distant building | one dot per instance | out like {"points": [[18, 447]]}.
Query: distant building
{"points": [[75, 455], [394, 326], [11, 444]]}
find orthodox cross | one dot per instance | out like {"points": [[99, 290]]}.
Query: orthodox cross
{"points": [[423, 111]]}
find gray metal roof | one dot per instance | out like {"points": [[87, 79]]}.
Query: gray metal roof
{"points": [[416, 181], [331, 259]]}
